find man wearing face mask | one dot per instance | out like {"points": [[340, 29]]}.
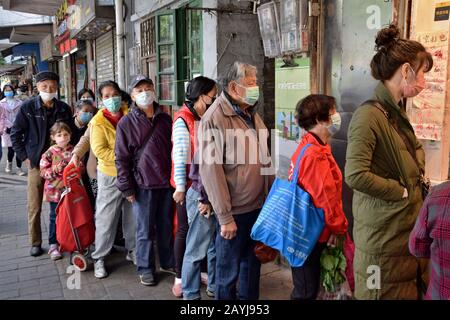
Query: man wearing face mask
{"points": [[143, 161], [30, 137], [384, 165], [236, 189]]}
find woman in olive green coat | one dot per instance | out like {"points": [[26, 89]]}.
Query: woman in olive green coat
{"points": [[384, 164]]}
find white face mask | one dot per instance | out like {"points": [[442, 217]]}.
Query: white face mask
{"points": [[45, 96], [335, 125], [145, 99]]}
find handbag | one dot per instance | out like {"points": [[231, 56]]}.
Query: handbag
{"points": [[289, 222], [425, 183]]}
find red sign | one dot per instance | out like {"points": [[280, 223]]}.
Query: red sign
{"points": [[67, 46]]}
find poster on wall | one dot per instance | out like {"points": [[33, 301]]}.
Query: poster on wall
{"points": [[81, 75], [291, 85], [427, 110]]}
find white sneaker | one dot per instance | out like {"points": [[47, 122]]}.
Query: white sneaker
{"points": [[20, 172], [8, 167], [54, 252], [99, 269], [131, 256]]}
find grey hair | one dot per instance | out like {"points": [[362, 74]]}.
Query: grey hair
{"points": [[236, 72]]}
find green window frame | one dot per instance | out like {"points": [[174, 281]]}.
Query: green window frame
{"points": [[179, 48], [166, 48], [195, 34]]}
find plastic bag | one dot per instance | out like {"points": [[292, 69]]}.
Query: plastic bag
{"points": [[342, 292]]}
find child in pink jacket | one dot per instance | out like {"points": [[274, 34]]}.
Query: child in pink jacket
{"points": [[52, 165]]}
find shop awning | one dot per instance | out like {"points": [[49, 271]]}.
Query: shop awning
{"points": [[6, 69], [43, 7], [30, 34]]}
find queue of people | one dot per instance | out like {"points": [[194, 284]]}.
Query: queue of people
{"points": [[141, 166]]}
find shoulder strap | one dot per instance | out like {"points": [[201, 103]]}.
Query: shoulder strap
{"points": [[394, 125], [297, 165], [141, 149]]}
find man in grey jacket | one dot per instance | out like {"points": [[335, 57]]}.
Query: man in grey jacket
{"points": [[234, 169]]}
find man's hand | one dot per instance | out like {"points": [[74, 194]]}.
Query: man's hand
{"points": [[178, 197], [75, 160], [131, 198], [228, 231]]}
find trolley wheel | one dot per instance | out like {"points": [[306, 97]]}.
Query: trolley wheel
{"points": [[79, 261]]}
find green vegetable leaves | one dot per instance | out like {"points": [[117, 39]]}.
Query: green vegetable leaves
{"points": [[332, 268]]}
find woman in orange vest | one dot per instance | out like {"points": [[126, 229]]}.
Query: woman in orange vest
{"points": [[199, 96]]}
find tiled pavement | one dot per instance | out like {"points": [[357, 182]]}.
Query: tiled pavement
{"points": [[25, 277]]}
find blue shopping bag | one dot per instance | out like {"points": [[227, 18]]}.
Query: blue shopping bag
{"points": [[289, 222]]}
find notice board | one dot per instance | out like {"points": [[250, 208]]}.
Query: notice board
{"points": [[429, 112]]}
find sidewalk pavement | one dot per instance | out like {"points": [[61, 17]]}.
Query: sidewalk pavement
{"points": [[28, 278]]}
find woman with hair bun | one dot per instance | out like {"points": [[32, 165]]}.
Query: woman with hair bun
{"points": [[384, 165]]}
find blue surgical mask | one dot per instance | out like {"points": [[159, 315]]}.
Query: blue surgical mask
{"points": [[112, 104], [85, 117], [9, 94]]}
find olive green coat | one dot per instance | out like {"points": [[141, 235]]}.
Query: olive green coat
{"points": [[378, 168]]}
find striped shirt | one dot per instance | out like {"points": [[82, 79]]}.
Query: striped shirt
{"points": [[430, 238], [181, 152]]}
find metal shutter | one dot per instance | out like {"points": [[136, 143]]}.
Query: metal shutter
{"points": [[105, 59]]}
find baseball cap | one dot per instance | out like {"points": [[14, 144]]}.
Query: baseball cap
{"points": [[138, 79]]}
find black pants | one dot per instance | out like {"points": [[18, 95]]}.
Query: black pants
{"points": [[307, 278], [180, 238], [11, 157]]}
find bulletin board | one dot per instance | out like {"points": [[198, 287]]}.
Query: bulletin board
{"points": [[429, 112]]}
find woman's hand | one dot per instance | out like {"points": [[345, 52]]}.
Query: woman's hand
{"points": [[131, 198], [178, 197], [332, 240], [75, 160], [405, 194], [205, 209]]}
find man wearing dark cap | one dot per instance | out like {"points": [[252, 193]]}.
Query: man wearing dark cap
{"points": [[30, 137], [143, 161]]}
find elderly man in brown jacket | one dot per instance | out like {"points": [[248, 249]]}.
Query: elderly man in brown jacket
{"points": [[236, 171]]}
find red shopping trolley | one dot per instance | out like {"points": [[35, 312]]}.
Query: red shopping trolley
{"points": [[75, 229]]}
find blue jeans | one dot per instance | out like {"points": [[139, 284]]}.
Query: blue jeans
{"points": [[153, 211], [236, 260], [52, 224], [199, 243]]}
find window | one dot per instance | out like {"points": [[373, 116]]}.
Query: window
{"points": [[148, 47], [166, 49], [179, 44], [195, 40]]}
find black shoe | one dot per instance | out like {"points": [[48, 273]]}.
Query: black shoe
{"points": [[170, 270], [148, 279], [36, 251]]}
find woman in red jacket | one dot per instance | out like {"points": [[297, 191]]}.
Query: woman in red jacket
{"points": [[319, 176]]}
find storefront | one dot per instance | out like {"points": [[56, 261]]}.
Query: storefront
{"points": [[92, 23], [340, 45]]}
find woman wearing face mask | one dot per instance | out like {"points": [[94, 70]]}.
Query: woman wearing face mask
{"points": [[319, 176], [86, 95], [200, 95], [84, 112], [9, 108], [109, 202], [383, 166], [143, 149]]}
